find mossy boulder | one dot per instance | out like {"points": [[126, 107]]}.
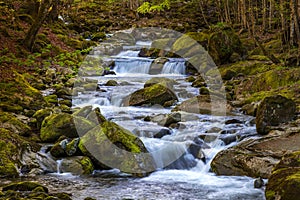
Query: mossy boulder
{"points": [[13, 124], [11, 148], [155, 94], [160, 80], [57, 125], [284, 183], [111, 83], [40, 115], [78, 165], [273, 111], [111, 146], [222, 44]]}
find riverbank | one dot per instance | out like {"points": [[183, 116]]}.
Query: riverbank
{"points": [[248, 75]]}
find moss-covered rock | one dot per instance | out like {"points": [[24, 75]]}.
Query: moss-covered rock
{"points": [[161, 80], [155, 94], [57, 125], [40, 115], [11, 146], [284, 182], [77, 165], [109, 145], [24, 186], [13, 124], [273, 111], [111, 83], [222, 44]]}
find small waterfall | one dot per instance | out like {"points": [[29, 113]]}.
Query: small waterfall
{"points": [[58, 171], [133, 65], [174, 67], [129, 53], [170, 155]]}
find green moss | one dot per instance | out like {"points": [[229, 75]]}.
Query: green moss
{"points": [[57, 125], [87, 165], [24, 186], [19, 94], [52, 99]]}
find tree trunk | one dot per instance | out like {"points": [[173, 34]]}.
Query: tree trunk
{"points": [[264, 16], [38, 22]]}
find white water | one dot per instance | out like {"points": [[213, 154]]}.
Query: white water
{"points": [[188, 177]]}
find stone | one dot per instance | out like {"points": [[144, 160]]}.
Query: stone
{"points": [[111, 146], [202, 104], [111, 83], [256, 157], [273, 111], [155, 94], [222, 44], [284, 182], [77, 165], [57, 125]]}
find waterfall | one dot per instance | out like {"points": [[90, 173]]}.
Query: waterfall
{"points": [[175, 66], [129, 53], [133, 65], [58, 166]]}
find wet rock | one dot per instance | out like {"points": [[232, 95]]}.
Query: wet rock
{"points": [[111, 146], [155, 94], [77, 165], [157, 65], [228, 139], [273, 111], [284, 183], [256, 157], [190, 79], [259, 183], [111, 83], [214, 130], [233, 121], [57, 125]]}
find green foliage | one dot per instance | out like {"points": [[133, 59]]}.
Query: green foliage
{"points": [[148, 7]]}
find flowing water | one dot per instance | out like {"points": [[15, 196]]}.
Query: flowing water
{"points": [[187, 178]]}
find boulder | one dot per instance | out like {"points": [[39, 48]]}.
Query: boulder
{"points": [[111, 146], [256, 157], [57, 125], [40, 115], [161, 80], [111, 83], [12, 147], [78, 165], [273, 111], [222, 44], [202, 104], [284, 183], [155, 94]]}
